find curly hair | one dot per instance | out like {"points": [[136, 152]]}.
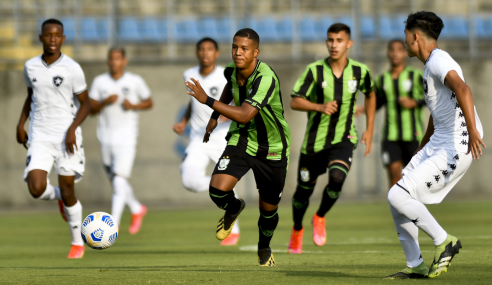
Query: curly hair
{"points": [[427, 22]]}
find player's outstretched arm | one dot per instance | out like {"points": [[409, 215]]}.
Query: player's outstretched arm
{"points": [[181, 125], [301, 104], [21, 132], [97, 106], [464, 96], [242, 114], [370, 107], [85, 107], [143, 105]]}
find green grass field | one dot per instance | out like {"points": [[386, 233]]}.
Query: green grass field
{"points": [[179, 247]]}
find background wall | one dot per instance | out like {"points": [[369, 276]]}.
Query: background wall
{"points": [[156, 175]]}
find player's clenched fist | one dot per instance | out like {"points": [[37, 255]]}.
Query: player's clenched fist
{"points": [[71, 141], [328, 108], [179, 128]]}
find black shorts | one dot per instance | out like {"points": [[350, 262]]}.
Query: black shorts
{"points": [[313, 165], [392, 151], [269, 174]]}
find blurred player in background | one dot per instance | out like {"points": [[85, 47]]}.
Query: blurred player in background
{"points": [[258, 139], [198, 154], [117, 96], [401, 90], [327, 91], [452, 140], [57, 103]]}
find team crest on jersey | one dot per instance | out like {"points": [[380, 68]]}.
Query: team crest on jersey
{"points": [[213, 91], [57, 81], [223, 163], [125, 91], [407, 85], [304, 174], [352, 85]]}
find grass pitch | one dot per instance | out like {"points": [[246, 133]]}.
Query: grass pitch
{"points": [[179, 247]]}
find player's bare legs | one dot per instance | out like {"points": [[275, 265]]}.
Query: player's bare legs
{"points": [[39, 188], [394, 171]]}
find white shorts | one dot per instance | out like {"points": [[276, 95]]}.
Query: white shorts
{"points": [[198, 154], [433, 172], [42, 155], [118, 159]]}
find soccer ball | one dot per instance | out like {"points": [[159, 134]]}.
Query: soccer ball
{"points": [[99, 230]]}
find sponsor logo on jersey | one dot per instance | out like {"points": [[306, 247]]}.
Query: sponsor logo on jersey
{"points": [[213, 91], [407, 85], [223, 163], [444, 173], [453, 95], [437, 178], [304, 174], [57, 81], [428, 184], [272, 154], [34, 80], [352, 85]]}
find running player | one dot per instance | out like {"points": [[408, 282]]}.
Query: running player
{"points": [[117, 96], [327, 91], [198, 154], [56, 103], [401, 90], [451, 142], [258, 139]]}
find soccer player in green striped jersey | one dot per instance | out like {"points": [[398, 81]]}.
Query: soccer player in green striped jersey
{"points": [[258, 139], [327, 91], [401, 90]]}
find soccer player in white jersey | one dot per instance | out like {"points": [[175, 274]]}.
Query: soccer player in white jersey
{"points": [[452, 140], [56, 104], [117, 96], [198, 154]]}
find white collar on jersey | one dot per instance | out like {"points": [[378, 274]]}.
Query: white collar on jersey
{"points": [[50, 65], [431, 54], [203, 77]]}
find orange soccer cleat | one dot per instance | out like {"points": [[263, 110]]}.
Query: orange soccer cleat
{"points": [[77, 251], [295, 244], [231, 239], [62, 210], [137, 221], [319, 231]]}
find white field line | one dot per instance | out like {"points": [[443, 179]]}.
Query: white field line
{"points": [[255, 248]]}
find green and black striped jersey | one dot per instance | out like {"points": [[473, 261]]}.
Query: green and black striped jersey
{"points": [[267, 134], [401, 124], [319, 85]]}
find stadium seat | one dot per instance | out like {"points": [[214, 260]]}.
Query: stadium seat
{"points": [[150, 30], [367, 27], [307, 30], [89, 29], [224, 30], [267, 30], [285, 30], [104, 29], [129, 30], [347, 20], [322, 27], [459, 27], [385, 27], [480, 28], [68, 28], [399, 26], [488, 26], [446, 31], [187, 31], [162, 25], [208, 28]]}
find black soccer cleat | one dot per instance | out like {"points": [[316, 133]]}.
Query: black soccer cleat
{"points": [[265, 257], [224, 227], [418, 272]]}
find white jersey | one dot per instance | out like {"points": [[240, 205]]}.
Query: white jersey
{"points": [[54, 102], [450, 130], [213, 84], [116, 125]]}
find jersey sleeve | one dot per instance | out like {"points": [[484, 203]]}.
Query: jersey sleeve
{"points": [[442, 66], [78, 80], [366, 84], [380, 94], [143, 90], [304, 85], [27, 80], [94, 90], [262, 92]]}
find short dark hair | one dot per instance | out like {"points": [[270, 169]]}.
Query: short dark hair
{"points": [[117, 49], [338, 27], [207, 40], [427, 22], [248, 33], [395, 41], [51, 21]]}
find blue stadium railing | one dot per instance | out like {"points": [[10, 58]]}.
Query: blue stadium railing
{"points": [[270, 29]]}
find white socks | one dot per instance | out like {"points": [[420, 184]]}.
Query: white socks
{"points": [[123, 194], [194, 179], [74, 217], [51, 193], [406, 210]]}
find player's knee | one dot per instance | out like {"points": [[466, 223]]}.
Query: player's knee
{"points": [[36, 187], [337, 174], [396, 196]]}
